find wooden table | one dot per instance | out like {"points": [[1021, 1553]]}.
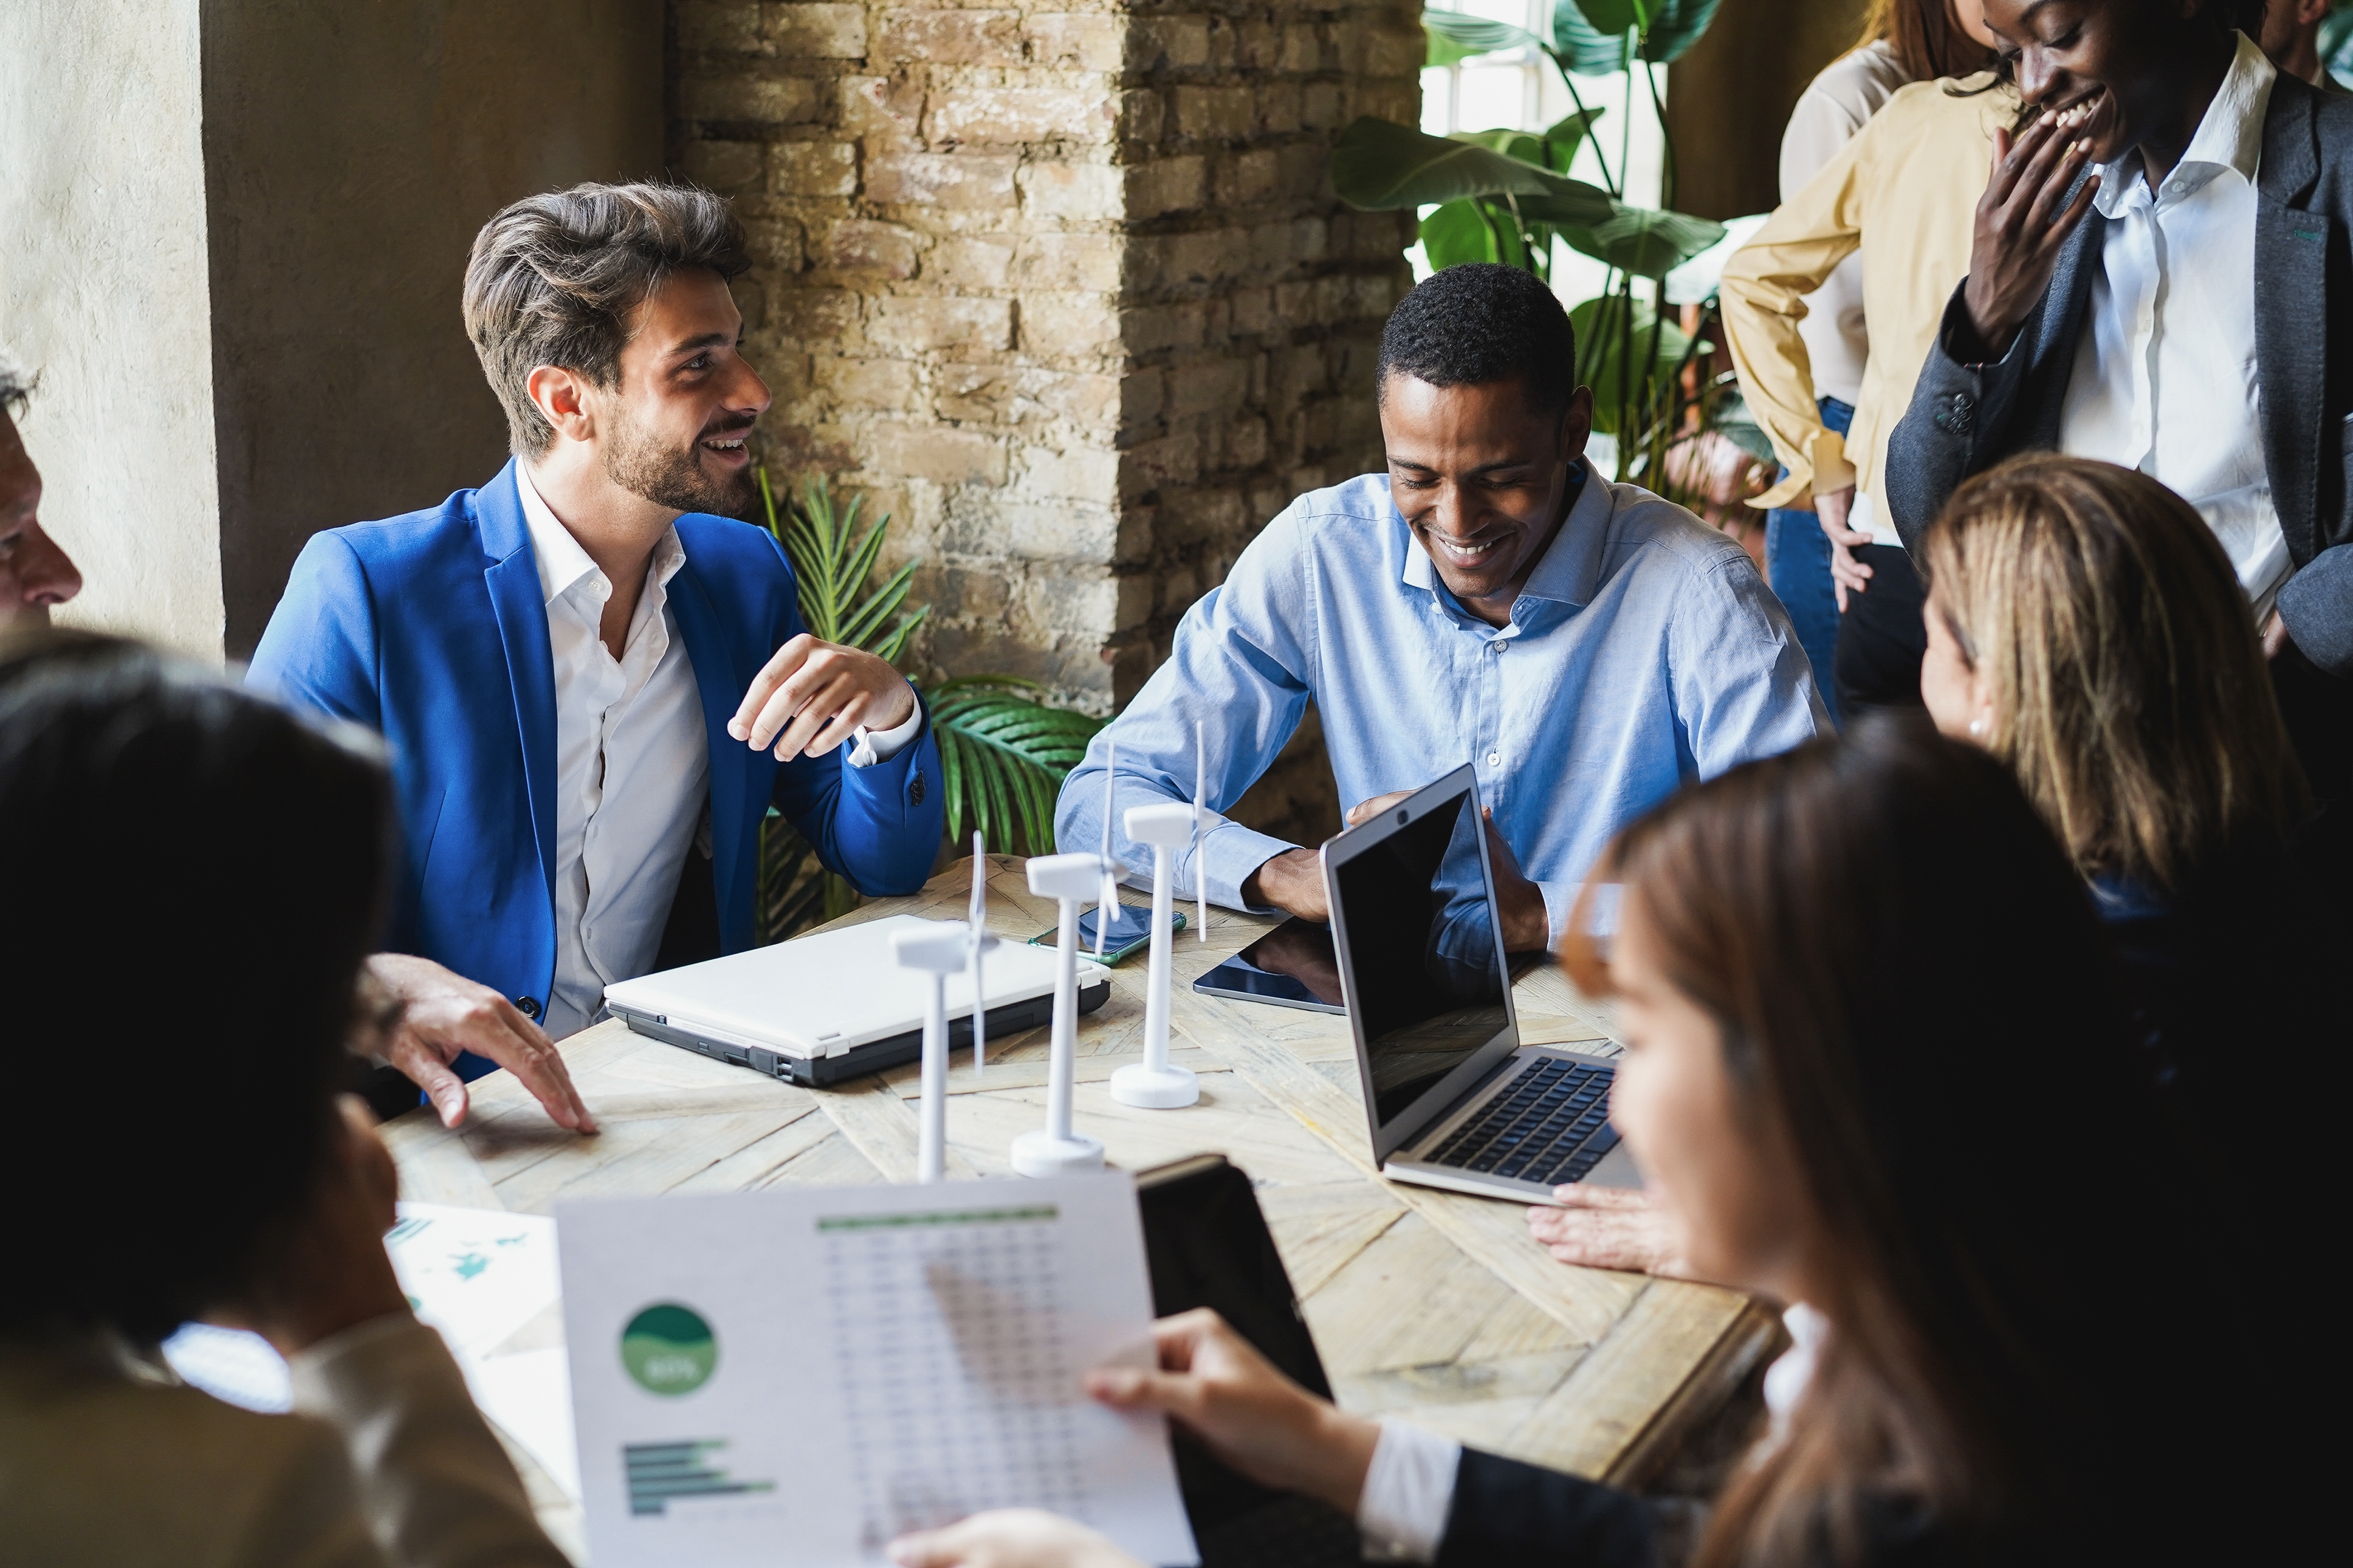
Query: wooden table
{"points": [[1426, 1304]]}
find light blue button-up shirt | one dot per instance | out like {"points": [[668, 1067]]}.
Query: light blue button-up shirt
{"points": [[1644, 650]]}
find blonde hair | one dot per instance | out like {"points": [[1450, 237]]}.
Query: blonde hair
{"points": [[2130, 693]]}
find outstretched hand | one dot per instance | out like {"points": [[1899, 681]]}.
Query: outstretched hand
{"points": [[1009, 1537], [2022, 220], [442, 1014], [1608, 1227], [1215, 1384]]}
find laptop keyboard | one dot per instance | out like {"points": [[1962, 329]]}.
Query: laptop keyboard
{"points": [[1552, 1126]]}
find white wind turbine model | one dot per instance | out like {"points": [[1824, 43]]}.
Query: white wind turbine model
{"points": [[977, 922], [1152, 1084], [937, 948], [1056, 1151]]}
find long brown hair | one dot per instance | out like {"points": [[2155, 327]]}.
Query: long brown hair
{"points": [[2129, 690], [1927, 37], [1868, 920]]}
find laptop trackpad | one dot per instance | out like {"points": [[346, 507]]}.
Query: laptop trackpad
{"points": [[1617, 1169]]}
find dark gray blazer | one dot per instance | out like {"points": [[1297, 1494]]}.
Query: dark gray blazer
{"points": [[1965, 418]]}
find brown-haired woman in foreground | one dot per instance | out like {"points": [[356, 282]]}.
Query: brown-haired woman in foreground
{"points": [[1877, 1062]]}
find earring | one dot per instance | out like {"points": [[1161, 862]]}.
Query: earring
{"points": [[1977, 727]]}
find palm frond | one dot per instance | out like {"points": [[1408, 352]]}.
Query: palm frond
{"points": [[1005, 755], [833, 558]]}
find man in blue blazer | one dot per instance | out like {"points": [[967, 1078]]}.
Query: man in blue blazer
{"points": [[594, 682]]}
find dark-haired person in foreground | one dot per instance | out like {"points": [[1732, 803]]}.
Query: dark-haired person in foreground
{"points": [[1824, 963], [2160, 278], [35, 573], [274, 1218], [1490, 599], [596, 681]]}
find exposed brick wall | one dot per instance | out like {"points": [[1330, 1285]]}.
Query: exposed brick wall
{"points": [[1063, 287]]}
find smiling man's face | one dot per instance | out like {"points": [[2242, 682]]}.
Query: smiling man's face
{"points": [[674, 429], [1482, 479]]}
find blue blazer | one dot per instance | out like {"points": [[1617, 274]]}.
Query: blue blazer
{"points": [[430, 629]]}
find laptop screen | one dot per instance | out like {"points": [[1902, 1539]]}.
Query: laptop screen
{"points": [[1429, 984]]}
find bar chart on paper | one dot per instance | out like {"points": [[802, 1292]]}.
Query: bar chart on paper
{"points": [[798, 1375]]}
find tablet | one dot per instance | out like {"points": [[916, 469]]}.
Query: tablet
{"points": [[1207, 1245], [1291, 966]]}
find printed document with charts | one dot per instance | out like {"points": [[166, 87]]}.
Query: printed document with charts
{"points": [[796, 1375]]}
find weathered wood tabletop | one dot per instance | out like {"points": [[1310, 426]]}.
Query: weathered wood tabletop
{"points": [[1426, 1304]]}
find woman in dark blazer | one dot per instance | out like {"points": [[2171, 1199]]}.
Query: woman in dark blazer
{"points": [[1877, 1063]]}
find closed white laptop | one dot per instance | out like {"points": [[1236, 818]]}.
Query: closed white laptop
{"points": [[822, 1008]]}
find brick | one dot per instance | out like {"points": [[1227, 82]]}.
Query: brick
{"points": [[950, 37], [881, 108], [1217, 386], [925, 322], [730, 26], [1322, 107], [1076, 191], [775, 242], [816, 32], [1171, 43], [932, 452], [724, 166], [858, 244], [1062, 261], [962, 181], [970, 261], [880, 384], [1164, 185], [1251, 178], [1077, 474], [771, 100], [1068, 325], [813, 168], [1157, 327], [1172, 459], [1278, 108], [1251, 310], [1090, 42], [818, 315], [1213, 112], [1061, 535], [1304, 49], [1003, 116], [1143, 116]]}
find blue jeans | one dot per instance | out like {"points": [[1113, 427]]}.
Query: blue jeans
{"points": [[1797, 564]]}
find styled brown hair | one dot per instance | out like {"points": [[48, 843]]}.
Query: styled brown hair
{"points": [[1927, 37], [1877, 925], [2129, 690], [555, 279]]}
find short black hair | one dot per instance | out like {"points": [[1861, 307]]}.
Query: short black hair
{"points": [[194, 877], [1479, 323]]}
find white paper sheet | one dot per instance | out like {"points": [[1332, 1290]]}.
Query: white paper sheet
{"points": [[529, 1394], [796, 1375], [477, 1275]]}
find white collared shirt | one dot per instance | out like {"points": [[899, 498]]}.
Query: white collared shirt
{"points": [[632, 765], [2164, 378]]}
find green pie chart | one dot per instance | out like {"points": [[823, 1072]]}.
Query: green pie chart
{"points": [[669, 1349]]}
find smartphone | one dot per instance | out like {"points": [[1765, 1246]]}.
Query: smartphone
{"points": [[1131, 928]]}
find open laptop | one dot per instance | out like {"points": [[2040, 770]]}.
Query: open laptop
{"points": [[822, 1008], [1455, 1100]]}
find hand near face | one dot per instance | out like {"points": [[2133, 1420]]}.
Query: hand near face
{"points": [[1608, 1227], [442, 1014], [1215, 1383], [2022, 220], [1009, 1537], [811, 696]]}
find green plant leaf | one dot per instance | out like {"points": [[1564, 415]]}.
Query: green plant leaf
{"points": [[1606, 351], [1644, 241], [1454, 234], [1591, 33], [832, 561], [1004, 755], [1454, 36], [1377, 164], [1564, 136], [1524, 145]]}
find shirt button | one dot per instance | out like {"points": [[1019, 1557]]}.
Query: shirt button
{"points": [[1494, 759]]}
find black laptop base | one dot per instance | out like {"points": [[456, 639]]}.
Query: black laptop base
{"points": [[823, 1072]]}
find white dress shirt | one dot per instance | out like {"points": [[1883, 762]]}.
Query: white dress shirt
{"points": [[1848, 92], [2164, 378], [1409, 1486], [632, 765]]}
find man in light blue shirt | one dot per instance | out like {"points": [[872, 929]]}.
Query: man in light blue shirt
{"points": [[1489, 600]]}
